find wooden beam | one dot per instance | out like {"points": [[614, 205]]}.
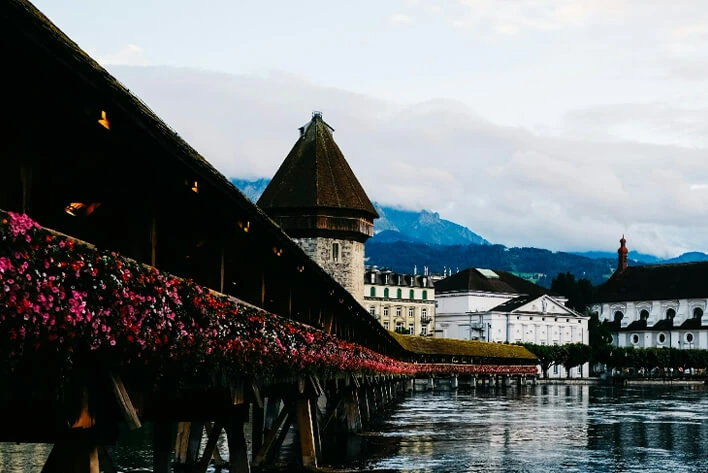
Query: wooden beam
{"points": [[305, 427], [282, 422], [238, 449], [130, 415], [161, 447], [210, 446]]}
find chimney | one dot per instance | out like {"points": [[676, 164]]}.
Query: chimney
{"points": [[622, 255]]}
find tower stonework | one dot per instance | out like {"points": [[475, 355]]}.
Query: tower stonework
{"points": [[318, 201]]}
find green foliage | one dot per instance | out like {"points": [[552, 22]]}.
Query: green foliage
{"points": [[578, 292]]}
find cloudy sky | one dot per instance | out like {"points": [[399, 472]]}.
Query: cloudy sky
{"points": [[556, 124]]}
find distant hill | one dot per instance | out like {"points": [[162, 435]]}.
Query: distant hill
{"points": [[404, 239], [534, 264], [422, 226], [631, 256]]}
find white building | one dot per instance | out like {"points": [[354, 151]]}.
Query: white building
{"points": [[401, 302], [655, 305], [496, 306]]}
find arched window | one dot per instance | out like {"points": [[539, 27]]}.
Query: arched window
{"points": [[372, 292], [670, 314], [698, 313], [618, 317], [425, 294], [644, 315], [399, 293], [411, 294], [386, 293]]}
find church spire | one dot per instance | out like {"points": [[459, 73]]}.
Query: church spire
{"points": [[622, 255]]}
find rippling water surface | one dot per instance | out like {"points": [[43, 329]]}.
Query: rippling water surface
{"points": [[533, 429]]}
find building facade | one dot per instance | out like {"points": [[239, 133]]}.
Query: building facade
{"points": [[318, 201], [655, 306], [404, 303], [496, 306]]}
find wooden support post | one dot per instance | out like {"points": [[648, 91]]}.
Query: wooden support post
{"points": [[351, 410], [315, 413], [271, 440], [161, 447], [263, 289], [328, 321], [364, 405], [189, 437], [72, 456], [257, 427], [303, 415], [238, 449], [333, 404], [210, 446], [272, 408], [130, 415]]}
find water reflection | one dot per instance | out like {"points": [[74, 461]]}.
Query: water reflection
{"points": [[542, 429]]}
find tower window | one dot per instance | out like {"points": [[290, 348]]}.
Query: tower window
{"points": [[411, 294], [386, 292], [335, 252], [399, 294], [425, 295], [372, 292]]}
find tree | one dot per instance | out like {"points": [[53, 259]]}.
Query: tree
{"points": [[579, 293], [547, 356], [572, 355]]}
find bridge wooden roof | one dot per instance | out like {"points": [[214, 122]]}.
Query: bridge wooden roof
{"points": [[141, 171], [462, 348]]}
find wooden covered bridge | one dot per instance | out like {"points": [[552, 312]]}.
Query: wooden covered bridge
{"points": [[154, 291]]}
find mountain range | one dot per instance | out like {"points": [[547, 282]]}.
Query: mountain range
{"points": [[407, 240]]}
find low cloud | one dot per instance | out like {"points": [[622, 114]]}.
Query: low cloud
{"points": [[128, 55], [400, 19], [572, 191]]}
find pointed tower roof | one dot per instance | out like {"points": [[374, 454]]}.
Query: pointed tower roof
{"points": [[316, 175], [315, 192]]}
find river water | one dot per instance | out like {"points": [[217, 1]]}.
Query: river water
{"points": [[541, 429]]}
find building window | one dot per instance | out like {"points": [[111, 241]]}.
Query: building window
{"points": [[423, 312], [661, 338], [399, 293], [644, 315], [372, 310], [411, 329], [424, 330], [411, 311], [372, 292], [399, 327], [386, 279], [398, 311], [411, 294], [698, 313], [689, 338], [425, 295], [670, 314], [555, 369], [385, 311], [373, 278], [386, 293], [386, 325], [335, 252], [635, 339], [618, 317]]}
